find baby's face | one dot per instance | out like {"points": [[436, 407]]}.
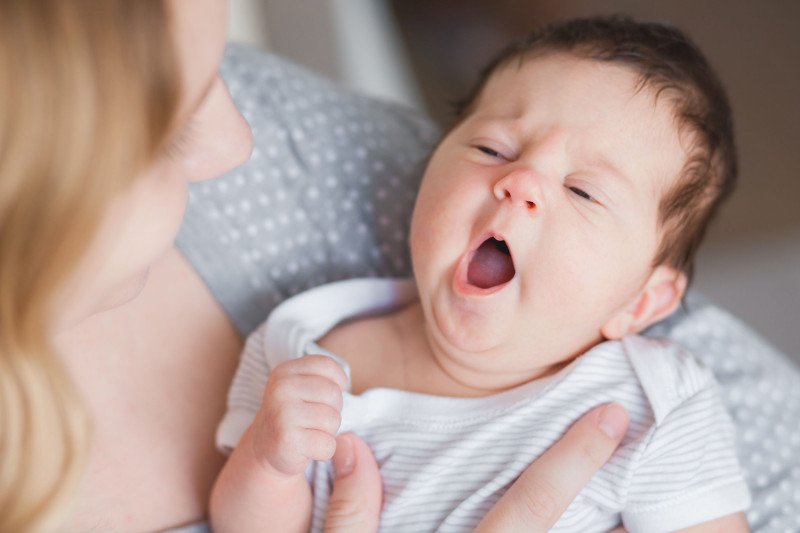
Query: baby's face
{"points": [[536, 222]]}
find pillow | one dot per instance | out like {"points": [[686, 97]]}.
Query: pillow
{"points": [[761, 390], [328, 194]]}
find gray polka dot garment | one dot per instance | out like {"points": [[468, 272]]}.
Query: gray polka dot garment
{"points": [[328, 194]]}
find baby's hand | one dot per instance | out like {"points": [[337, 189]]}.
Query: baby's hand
{"points": [[300, 414]]}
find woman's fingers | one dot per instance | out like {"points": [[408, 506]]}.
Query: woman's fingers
{"points": [[533, 503], [355, 503], [541, 494]]}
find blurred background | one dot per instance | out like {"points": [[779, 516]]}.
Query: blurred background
{"points": [[426, 53]]}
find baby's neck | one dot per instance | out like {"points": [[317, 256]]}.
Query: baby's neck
{"points": [[395, 351]]}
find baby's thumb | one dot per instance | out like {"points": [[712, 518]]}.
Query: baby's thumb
{"points": [[355, 504]]}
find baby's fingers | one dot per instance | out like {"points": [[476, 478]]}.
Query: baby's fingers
{"points": [[319, 365], [296, 433], [299, 446], [306, 388], [318, 417], [317, 445]]}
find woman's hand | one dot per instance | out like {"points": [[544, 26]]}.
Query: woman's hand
{"points": [[543, 492], [533, 503], [355, 505]]}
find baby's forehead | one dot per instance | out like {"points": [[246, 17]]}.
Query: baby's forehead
{"points": [[573, 75], [606, 112], [596, 92]]}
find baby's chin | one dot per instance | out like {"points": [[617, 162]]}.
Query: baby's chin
{"points": [[484, 375], [492, 356], [457, 331]]}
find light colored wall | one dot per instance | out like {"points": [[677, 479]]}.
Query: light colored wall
{"points": [[352, 41], [247, 23]]}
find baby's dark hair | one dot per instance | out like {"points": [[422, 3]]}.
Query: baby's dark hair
{"points": [[668, 63]]}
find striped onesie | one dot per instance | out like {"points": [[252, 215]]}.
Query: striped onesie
{"points": [[445, 461]]}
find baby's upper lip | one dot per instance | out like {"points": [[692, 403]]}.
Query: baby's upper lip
{"points": [[492, 234], [503, 226]]}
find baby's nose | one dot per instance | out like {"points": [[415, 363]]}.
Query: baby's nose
{"points": [[520, 186]]}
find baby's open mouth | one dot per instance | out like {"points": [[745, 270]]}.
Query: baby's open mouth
{"points": [[491, 265]]}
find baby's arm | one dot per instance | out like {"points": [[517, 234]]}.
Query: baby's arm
{"points": [[687, 473], [263, 484], [732, 523]]}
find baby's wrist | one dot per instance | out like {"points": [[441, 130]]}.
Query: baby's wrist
{"points": [[276, 475]]}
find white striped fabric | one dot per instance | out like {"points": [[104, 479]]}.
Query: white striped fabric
{"points": [[446, 461]]}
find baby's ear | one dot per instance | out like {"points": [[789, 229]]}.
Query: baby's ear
{"points": [[660, 296]]}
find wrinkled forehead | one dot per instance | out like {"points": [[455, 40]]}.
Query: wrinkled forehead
{"points": [[603, 105], [580, 78], [519, 80]]}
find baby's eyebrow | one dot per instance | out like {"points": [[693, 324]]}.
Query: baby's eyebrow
{"points": [[500, 122], [609, 168]]}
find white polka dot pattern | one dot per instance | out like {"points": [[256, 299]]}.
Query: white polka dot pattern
{"points": [[328, 194], [761, 389]]}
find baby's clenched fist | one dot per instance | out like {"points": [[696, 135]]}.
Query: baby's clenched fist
{"points": [[300, 414]]}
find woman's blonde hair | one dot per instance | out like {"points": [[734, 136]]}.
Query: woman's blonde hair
{"points": [[88, 93]]}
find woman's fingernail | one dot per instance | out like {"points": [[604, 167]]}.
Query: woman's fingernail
{"points": [[613, 420], [344, 458]]}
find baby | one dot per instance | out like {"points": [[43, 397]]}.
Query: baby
{"points": [[557, 219]]}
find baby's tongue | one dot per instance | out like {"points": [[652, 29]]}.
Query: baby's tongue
{"points": [[490, 266]]}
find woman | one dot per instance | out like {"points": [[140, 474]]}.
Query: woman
{"points": [[114, 357], [93, 96]]}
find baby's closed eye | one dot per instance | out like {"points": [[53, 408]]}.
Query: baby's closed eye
{"points": [[583, 194], [488, 151]]}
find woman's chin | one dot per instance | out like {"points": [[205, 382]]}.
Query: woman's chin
{"points": [[82, 307], [124, 293]]}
